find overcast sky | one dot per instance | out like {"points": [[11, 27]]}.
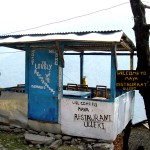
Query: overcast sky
{"points": [[25, 14]]}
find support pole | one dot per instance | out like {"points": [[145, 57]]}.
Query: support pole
{"points": [[81, 67], [131, 61], [27, 59], [60, 53], [113, 71]]}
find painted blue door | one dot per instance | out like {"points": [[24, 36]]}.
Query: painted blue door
{"points": [[43, 85]]}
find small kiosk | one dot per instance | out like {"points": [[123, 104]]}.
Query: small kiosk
{"points": [[54, 107]]}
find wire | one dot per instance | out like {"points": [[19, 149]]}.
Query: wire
{"points": [[68, 78], [11, 52], [56, 22]]}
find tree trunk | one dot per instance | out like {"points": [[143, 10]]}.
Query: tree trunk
{"points": [[141, 29]]}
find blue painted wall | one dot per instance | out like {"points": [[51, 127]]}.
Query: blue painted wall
{"points": [[43, 85]]}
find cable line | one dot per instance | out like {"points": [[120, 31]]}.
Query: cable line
{"points": [[80, 16], [11, 52]]}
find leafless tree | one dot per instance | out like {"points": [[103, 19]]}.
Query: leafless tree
{"points": [[141, 30]]}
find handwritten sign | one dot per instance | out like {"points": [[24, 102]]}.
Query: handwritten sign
{"points": [[43, 69], [90, 119], [131, 79], [87, 118], [43, 85]]}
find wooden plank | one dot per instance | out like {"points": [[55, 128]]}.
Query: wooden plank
{"points": [[60, 53], [131, 61], [113, 72]]}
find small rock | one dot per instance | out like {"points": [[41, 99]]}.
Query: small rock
{"points": [[56, 144], [89, 147], [104, 141], [5, 128], [32, 131], [86, 140], [17, 130], [103, 146], [77, 141], [81, 147], [12, 127], [42, 133], [67, 143], [66, 138], [37, 146], [73, 141], [51, 135], [30, 145], [38, 139], [58, 136], [23, 130]]}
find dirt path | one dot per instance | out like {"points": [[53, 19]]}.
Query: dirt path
{"points": [[140, 136]]}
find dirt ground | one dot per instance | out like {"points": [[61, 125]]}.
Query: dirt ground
{"points": [[139, 138]]}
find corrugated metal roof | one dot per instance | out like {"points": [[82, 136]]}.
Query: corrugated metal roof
{"points": [[100, 37], [60, 33]]}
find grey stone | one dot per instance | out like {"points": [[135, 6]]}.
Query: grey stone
{"points": [[56, 144], [17, 130], [58, 136], [32, 131], [86, 140], [81, 147], [38, 139], [103, 146], [73, 142], [23, 130], [66, 138], [78, 141], [51, 135], [42, 133], [67, 143], [104, 141], [12, 127], [89, 147], [5, 128], [37, 146], [31, 145]]}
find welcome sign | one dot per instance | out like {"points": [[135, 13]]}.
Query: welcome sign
{"points": [[131, 79]]}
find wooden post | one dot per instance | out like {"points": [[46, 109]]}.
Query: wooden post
{"points": [[81, 67], [27, 59], [131, 61], [113, 71], [60, 53]]}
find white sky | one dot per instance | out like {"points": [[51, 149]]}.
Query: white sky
{"points": [[23, 14]]}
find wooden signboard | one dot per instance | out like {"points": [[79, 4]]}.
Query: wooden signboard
{"points": [[131, 79]]}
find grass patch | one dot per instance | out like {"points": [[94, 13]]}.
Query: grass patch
{"points": [[13, 141]]}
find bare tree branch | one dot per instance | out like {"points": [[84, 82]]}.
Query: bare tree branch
{"points": [[147, 26], [146, 6]]}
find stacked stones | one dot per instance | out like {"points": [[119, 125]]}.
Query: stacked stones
{"points": [[55, 141]]}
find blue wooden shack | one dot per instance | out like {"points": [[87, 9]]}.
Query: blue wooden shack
{"points": [[49, 105]]}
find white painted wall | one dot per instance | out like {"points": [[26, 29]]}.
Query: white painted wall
{"points": [[87, 118], [96, 119]]}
